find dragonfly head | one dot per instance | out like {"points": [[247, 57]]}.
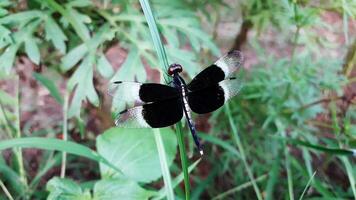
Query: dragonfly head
{"points": [[174, 69]]}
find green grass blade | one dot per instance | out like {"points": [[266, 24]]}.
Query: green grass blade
{"points": [[183, 158], [162, 56], [242, 152], [55, 144], [164, 165], [307, 186]]}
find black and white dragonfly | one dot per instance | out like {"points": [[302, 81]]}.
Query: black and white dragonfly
{"points": [[156, 105]]}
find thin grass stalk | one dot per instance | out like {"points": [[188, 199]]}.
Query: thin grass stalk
{"points": [[162, 57], [307, 186], [281, 131], [18, 151], [242, 152], [6, 191], [65, 133]]}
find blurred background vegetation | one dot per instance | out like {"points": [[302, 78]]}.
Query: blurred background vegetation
{"points": [[288, 135]]}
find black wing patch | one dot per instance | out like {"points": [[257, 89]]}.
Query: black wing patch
{"points": [[220, 70], [152, 115], [214, 96], [128, 94]]}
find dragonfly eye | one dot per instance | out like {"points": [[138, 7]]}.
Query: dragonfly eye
{"points": [[174, 68]]}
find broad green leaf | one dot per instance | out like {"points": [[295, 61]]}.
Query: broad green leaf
{"points": [[134, 152], [73, 57], [108, 189], [66, 189], [5, 3], [50, 85], [55, 34], [32, 50], [54, 144], [104, 67], [3, 12]]}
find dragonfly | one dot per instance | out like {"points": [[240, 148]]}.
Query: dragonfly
{"points": [[154, 105]]}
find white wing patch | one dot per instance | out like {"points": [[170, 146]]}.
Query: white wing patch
{"points": [[231, 88], [230, 62], [125, 94], [132, 118]]}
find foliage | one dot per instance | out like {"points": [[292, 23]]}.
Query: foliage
{"points": [[290, 133]]}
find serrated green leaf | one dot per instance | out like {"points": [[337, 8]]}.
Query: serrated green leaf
{"points": [[134, 151], [7, 58], [83, 78], [32, 50], [73, 57], [22, 17], [79, 3], [66, 189], [79, 21], [6, 99], [104, 67], [108, 189], [49, 84], [55, 34]]}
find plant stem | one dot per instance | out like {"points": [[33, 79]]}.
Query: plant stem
{"points": [[65, 133], [164, 166], [242, 152], [183, 158], [18, 151]]}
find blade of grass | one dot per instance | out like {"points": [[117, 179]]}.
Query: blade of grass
{"points": [[242, 152], [164, 164], [162, 56], [281, 130], [55, 144], [239, 188], [350, 174], [307, 186], [6, 191]]}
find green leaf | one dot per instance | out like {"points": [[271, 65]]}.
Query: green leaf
{"points": [[6, 99], [83, 78], [55, 34], [32, 50], [49, 84], [66, 189], [79, 3], [109, 189], [22, 17], [104, 67], [134, 151]]}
